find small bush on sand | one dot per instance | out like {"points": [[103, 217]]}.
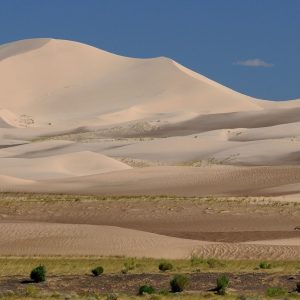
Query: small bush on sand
{"points": [[146, 289], [265, 265], [179, 283], [165, 266], [222, 284], [38, 274], [97, 271]]}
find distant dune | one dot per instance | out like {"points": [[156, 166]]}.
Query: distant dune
{"points": [[74, 110], [75, 119]]}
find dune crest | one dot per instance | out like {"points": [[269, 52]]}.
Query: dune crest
{"points": [[75, 110]]}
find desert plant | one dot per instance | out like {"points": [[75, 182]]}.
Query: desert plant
{"points": [[196, 260], [112, 297], [275, 292], [146, 289], [222, 284], [264, 265], [179, 283], [38, 274], [97, 271], [214, 263], [165, 266]]}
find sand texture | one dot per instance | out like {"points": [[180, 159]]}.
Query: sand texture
{"points": [[75, 119]]}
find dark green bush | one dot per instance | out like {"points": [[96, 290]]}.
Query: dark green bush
{"points": [[298, 287], [146, 289], [275, 292], [38, 274], [97, 271], [222, 284], [179, 283], [165, 266], [265, 265]]}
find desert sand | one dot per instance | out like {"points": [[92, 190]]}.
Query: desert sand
{"points": [[75, 119]]}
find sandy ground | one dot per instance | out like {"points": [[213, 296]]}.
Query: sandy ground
{"points": [[156, 227], [74, 239], [79, 120], [171, 180]]}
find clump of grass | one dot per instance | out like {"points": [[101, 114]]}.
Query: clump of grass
{"points": [[275, 292], [179, 283], [38, 274], [112, 296], [222, 284], [165, 266], [129, 265], [146, 289], [97, 271], [214, 263], [265, 265], [196, 260]]}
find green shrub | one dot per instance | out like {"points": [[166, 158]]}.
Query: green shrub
{"points": [[179, 283], [38, 274], [222, 284], [97, 271], [275, 292], [165, 266], [146, 289], [265, 265], [298, 287]]}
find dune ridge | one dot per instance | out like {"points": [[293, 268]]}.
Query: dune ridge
{"points": [[80, 120]]}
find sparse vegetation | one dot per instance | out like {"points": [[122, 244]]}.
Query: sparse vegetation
{"points": [[129, 265], [214, 263], [165, 266], [196, 260], [112, 296], [97, 271], [146, 289], [265, 265], [179, 283], [38, 274], [222, 284], [275, 292]]}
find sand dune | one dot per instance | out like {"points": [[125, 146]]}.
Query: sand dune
{"points": [[185, 181], [153, 85], [65, 165], [71, 239], [77, 119]]}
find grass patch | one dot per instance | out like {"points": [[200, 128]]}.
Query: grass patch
{"points": [[22, 266], [276, 292]]}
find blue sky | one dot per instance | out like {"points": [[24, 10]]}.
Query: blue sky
{"points": [[252, 46]]}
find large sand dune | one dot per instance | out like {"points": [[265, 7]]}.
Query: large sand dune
{"points": [[76, 119]]}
